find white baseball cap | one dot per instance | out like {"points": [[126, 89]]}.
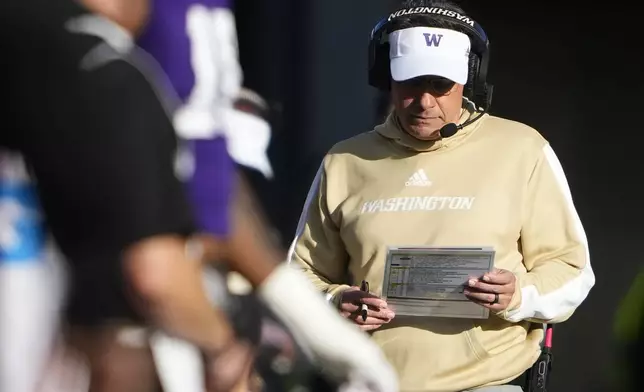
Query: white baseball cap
{"points": [[420, 51]]}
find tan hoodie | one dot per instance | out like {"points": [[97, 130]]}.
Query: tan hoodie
{"points": [[495, 183]]}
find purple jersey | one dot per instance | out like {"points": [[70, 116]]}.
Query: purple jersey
{"points": [[167, 38], [175, 36], [211, 185]]}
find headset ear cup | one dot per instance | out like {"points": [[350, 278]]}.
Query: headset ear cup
{"points": [[373, 60], [379, 73], [472, 77], [385, 69]]}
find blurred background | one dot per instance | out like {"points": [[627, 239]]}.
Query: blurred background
{"points": [[570, 72]]}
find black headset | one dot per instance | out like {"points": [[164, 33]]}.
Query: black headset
{"points": [[476, 89]]}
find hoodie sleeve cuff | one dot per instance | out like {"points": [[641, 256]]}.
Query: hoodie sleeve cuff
{"points": [[515, 302]]}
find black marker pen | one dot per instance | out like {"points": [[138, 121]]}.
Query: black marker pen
{"points": [[363, 308]]}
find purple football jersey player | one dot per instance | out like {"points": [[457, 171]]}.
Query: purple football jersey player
{"points": [[195, 44]]}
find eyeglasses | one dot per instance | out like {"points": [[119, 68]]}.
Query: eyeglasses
{"points": [[437, 86]]}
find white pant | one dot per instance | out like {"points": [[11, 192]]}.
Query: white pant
{"points": [[31, 295]]}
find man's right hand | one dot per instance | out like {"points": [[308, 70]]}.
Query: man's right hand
{"points": [[377, 314]]}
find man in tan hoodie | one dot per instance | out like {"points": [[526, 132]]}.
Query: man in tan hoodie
{"points": [[441, 171]]}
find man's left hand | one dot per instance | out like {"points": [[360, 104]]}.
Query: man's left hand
{"points": [[482, 291]]}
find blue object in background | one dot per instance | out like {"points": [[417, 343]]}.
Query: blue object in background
{"points": [[21, 228]]}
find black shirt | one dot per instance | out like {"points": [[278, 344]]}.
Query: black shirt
{"points": [[99, 143]]}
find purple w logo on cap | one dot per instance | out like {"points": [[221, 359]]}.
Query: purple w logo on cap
{"points": [[433, 39]]}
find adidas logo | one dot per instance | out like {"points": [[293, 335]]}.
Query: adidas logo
{"points": [[419, 178]]}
